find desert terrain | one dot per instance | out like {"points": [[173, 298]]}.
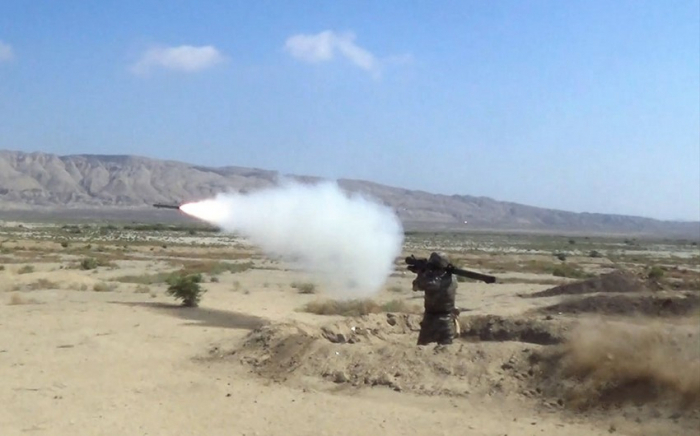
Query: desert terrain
{"points": [[579, 336]]}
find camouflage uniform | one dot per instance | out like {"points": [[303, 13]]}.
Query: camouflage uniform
{"points": [[439, 322]]}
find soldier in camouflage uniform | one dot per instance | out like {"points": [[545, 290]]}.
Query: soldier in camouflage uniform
{"points": [[439, 322]]}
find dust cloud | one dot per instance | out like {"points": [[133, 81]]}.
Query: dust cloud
{"points": [[617, 361], [347, 241]]}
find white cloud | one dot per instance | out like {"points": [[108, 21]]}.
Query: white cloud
{"points": [[323, 47], [185, 58], [6, 53]]}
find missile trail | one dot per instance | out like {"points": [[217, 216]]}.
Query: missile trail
{"points": [[349, 242]]}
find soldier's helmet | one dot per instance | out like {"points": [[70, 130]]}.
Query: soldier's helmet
{"points": [[438, 260]]}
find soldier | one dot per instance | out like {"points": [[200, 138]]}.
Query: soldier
{"points": [[439, 322]]}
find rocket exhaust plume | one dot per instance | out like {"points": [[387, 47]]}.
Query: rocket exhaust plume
{"points": [[347, 241]]}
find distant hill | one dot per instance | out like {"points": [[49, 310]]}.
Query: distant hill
{"points": [[41, 184]]}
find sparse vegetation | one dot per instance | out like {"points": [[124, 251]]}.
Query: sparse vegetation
{"points": [[570, 271], [91, 263], [656, 272], [145, 279], [42, 284], [88, 263], [214, 267], [26, 269], [159, 227], [186, 288], [104, 287], [304, 288]]}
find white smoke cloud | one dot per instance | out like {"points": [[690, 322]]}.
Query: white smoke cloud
{"points": [[348, 241], [185, 58]]}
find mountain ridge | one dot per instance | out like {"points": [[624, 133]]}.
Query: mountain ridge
{"points": [[38, 182]]}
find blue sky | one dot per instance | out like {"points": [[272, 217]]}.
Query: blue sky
{"points": [[577, 105]]}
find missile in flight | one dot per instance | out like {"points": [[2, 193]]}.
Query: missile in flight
{"points": [[167, 206]]}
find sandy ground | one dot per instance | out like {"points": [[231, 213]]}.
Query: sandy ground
{"points": [[78, 362]]}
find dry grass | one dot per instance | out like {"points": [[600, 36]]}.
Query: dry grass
{"points": [[503, 264], [26, 269], [304, 288], [570, 271], [213, 267], [358, 307], [104, 287], [144, 279], [90, 263], [142, 289]]}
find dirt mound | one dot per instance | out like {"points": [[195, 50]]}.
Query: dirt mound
{"points": [[380, 350], [648, 368], [651, 368], [613, 282], [651, 305], [498, 328]]}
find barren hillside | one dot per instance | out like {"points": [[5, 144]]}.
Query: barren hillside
{"points": [[118, 186]]}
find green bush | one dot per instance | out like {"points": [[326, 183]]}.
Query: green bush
{"points": [[186, 288], [656, 272], [89, 263]]}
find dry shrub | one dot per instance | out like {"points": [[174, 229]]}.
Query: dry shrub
{"points": [[26, 269], [142, 289], [615, 363], [304, 288], [104, 287], [357, 307], [91, 263]]}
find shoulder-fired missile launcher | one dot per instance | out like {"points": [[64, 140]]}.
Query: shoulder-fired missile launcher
{"points": [[416, 265]]}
